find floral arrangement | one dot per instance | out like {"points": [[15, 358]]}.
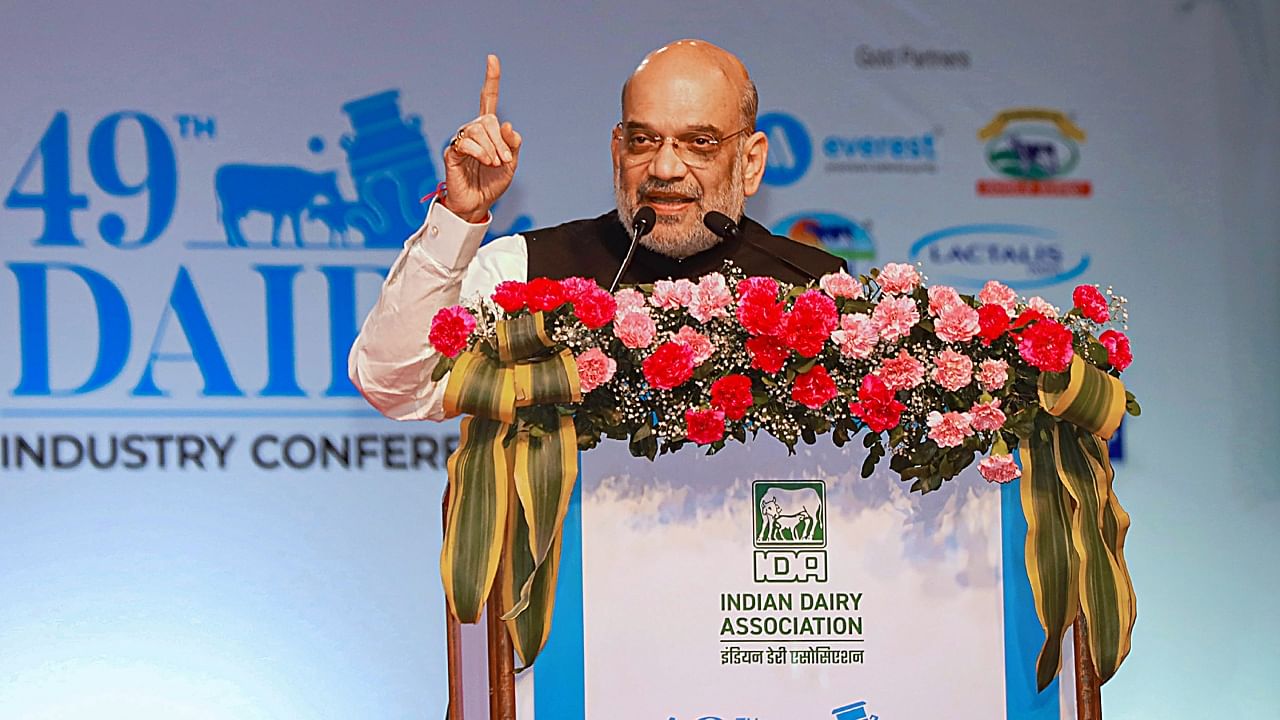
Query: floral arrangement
{"points": [[931, 378]]}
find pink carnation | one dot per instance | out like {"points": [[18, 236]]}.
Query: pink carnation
{"points": [[902, 372], [841, 284], [711, 298], [999, 468], [576, 287], [952, 370], [994, 293], [629, 299], [700, 344], [898, 278], [942, 296], [993, 374], [987, 416], [668, 294], [857, 336], [595, 369], [957, 323], [949, 429], [1043, 307], [894, 317], [635, 329]]}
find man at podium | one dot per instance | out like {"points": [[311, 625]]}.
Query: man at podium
{"points": [[686, 147]]}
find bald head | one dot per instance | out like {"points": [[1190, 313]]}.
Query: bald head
{"points": [[684, 64]]}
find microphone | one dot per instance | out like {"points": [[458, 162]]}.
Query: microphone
{"points": [[641, 224], [726, 229]]}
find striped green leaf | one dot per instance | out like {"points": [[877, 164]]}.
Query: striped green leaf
{"points": [[530, 628], [1051, 560], [1091, 399], [481, 387], [1106, 592], [522, 337], [479, 488], [546, 468]]}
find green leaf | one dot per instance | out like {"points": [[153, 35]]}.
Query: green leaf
{"points": [[869, 465], [1131, 405], [442, 368]]}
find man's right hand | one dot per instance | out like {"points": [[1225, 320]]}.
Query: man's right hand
{"points": [[479, 167]]}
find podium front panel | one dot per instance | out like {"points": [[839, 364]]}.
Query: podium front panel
{"points": [[754, 584]]}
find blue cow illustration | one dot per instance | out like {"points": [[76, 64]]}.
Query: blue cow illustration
{"points": [[280, 190]]}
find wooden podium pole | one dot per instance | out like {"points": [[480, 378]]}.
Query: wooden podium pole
{"points": [[1088, 692]]}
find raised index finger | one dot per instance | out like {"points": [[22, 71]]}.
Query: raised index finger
{"points": [[489, 93]]}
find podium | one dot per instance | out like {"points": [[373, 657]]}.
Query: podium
{"points": [[757, 584]]}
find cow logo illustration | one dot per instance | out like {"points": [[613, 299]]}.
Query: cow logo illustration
{"points": [[790, 530], [390, 166]]}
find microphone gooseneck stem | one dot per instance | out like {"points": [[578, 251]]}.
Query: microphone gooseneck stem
{"points": [[641, 224], [725, 227]]}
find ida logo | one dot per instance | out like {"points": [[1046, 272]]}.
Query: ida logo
{"points": [[1023, 257], [834, 233], [1034, 150], [790, 530]]}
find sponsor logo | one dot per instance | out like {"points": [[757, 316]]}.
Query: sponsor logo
{"points": [[790, 150], [1023, 257], [1034, 150], [790, 531], [834, 233], [891, 153], [869, 57], [853, 711]]}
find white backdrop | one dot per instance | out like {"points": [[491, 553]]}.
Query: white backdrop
{"points": [[257, 590]]}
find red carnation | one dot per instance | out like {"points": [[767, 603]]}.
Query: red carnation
{"points": [[767, 353], [544, 294], [595, 307], [1046, 345], [1091, 303], [1118, 353], [814, 388], [510, 295], [758, 285], [732, 394], [1027, 317], [876, 405], [704, 426], [993, 322], [671, 365], [760, 314], [810, 322], [451, 330]]}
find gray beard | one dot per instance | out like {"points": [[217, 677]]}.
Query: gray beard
{"points": [[731, 201]]}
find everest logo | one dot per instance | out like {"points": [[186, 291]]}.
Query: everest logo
{"points": [[790, 530]]}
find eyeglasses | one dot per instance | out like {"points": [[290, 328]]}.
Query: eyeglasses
{"points": [[695, 149]]}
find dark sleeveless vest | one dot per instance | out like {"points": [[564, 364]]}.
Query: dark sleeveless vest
{"points": [[595, 249]]}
